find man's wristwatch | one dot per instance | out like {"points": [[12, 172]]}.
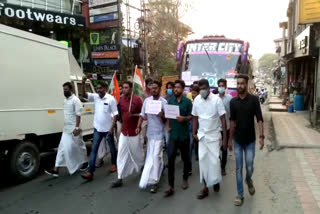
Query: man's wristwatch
{"points": [[262, 136]]}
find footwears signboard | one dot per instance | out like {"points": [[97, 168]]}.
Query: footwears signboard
{"points": [[13, 11]]}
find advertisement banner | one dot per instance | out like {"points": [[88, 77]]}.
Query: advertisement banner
{"points": [[104, 10], [31, 14], [103, 48], [105, 55], [94, 3], [309, 11], [107, 62], [104, 18]]}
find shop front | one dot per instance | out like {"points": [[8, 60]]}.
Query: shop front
{"points": [[302, 68], [61, 20]]}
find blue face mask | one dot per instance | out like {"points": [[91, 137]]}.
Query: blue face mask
{"points": [[169, 91], [221, 90]]}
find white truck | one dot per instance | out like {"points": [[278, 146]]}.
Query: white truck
{"points": [[32, 71]]}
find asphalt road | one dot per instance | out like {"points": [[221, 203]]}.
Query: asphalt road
{"points": [[275, 192]]}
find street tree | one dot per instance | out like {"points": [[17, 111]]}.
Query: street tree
{"points": [[166, 31]]}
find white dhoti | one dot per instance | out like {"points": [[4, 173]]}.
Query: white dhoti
{"points": [[130, 156], [72, 152], [153, 165], [209, 161]]}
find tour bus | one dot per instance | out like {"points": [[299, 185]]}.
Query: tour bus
{"points": [[212, 58]]}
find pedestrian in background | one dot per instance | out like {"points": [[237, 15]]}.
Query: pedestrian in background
{"points": [[72, 152], [194, 143], [243, 109], [130, 150], [179, 137], [208, 115], [226, 98], [153, 166], [104, 122]]}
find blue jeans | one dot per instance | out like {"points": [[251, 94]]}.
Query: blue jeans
{"points": [[97, 137], [249, 152]]}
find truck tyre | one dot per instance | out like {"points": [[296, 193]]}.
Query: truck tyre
{"points": [[24, 161]]}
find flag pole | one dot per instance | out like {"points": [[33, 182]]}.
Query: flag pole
{"points": [[135, 70]]}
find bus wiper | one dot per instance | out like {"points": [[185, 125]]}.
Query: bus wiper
{"points": [[209, 59]]}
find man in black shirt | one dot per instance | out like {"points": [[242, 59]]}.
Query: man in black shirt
{"points": [[243, 109]]}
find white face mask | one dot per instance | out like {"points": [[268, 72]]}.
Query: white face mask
{"points": [[204, 93]]}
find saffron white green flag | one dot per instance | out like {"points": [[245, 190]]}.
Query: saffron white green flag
{"points": [[138, 84]]}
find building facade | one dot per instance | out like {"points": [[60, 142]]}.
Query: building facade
{"points": [[299, 51]]}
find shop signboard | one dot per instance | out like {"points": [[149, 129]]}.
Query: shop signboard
{"points": [[31, 14], [94, 3], [103, 48], [309, 11], [107, 62], [104, 10], [106, 55], [104, 18], [302, 43], [94, 38]]}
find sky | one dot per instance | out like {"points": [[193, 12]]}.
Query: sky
{"points": [[255, 21]]}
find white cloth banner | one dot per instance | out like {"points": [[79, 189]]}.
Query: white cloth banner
{"points": [[72, 152], [130, 156], [153, 166]]}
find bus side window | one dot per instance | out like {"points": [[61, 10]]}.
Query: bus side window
{"points": [[88, 89]]}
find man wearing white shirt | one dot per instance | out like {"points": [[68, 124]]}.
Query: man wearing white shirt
{"points": [[208, 115], [72, 152], [226, 98], [105, 118]]}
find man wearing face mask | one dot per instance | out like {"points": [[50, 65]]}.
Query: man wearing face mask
{"points": [[208, 115], [226, 98], [104, 122], [169, 88], [72, 152]]}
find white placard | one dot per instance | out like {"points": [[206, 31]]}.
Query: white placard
{"points": [[171, 111], [104, 10], [153, 107], [93, 3], [186, 75]]}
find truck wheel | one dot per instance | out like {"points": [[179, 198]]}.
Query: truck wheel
{"points": [[24, 161]]}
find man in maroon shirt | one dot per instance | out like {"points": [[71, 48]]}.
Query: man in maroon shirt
{"points": [[130, 151]]}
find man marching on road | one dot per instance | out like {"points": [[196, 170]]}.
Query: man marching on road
{"points": [[243, 109], [208, 115], [72, 151], [155, 132], [179, 136], [226, 98], [105, 118], [130, 150]]}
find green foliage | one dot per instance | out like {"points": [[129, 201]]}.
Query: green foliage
{"points": [[166, 32], [267, 62]]}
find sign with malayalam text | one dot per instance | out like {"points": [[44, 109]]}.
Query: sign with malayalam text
{"points": [[309, 11], [94, 3], [31, 14], [105, 55]]}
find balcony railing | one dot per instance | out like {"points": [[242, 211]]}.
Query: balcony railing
{"points": [[62, 6]]}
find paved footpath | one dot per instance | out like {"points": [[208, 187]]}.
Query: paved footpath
{"points": [[302, 149]]}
